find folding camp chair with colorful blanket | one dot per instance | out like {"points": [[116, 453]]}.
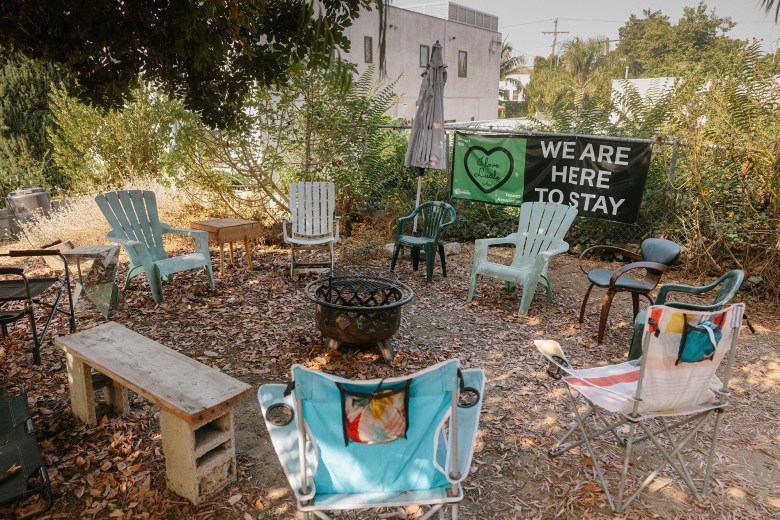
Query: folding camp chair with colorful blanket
{"points": [[346, 444], [666, 396]]}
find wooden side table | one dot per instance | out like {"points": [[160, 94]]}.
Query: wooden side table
{"points": [[229, 230]]}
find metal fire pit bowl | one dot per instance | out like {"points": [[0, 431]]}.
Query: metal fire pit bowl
{"points": [[359, 308]]}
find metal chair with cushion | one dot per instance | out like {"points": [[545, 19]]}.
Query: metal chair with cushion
{"points": [[436, 216], [729, 284], [20, 294], [655, 257]]}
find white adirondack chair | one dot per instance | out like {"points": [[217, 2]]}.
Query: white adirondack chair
{"points": [[312, 223], [539, 237]]}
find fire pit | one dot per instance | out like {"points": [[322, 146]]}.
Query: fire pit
{"points": [[359, 309]]}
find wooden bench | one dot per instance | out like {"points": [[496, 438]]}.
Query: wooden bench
{"points": [[196, 401]]}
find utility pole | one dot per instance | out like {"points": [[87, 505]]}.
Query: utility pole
{"points": [[555, 32]]}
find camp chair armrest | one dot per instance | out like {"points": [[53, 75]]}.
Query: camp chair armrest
{"points": [[201, 237], [608, 249], [33, 252], [12, 270], [17, 253], [284, 437], [468, 421], [552, 350], [637, 265]]}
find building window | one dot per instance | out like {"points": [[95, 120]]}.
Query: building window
{"points": [[463, 63], [425, 55], [368, 49]]}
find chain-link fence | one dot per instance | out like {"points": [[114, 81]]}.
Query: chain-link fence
{"points": [[394, 195], [721, 204]]}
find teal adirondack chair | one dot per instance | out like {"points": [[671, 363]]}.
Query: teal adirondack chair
{"points": [[539, 237], [135, 224], [436, 216]]}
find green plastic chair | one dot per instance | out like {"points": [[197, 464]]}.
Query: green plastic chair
{"points": [[135, 225], [435, 217], [729, 284], [540, 232]]}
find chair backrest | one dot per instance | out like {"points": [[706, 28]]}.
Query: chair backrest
{"points": [[133, 215], [660, 251], [729, 285], [412, 462], [666, 380], [540, 224], [312, 208], [435, 214]]}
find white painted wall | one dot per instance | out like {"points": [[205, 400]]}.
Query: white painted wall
{"points": [[512, 92], [474, 97]]}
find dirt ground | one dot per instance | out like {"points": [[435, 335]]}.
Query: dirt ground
{"points": [[255, 325]]}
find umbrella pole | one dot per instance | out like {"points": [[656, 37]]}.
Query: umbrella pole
{"points": [[417, 202]]}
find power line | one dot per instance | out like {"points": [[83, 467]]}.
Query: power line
{"points": [[526, 23]]}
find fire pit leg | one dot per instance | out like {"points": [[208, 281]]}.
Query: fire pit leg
{"points": [[332, 344], [386, 346]]}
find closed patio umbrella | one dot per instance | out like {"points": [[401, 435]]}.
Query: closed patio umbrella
{"points": [[426, 143]]}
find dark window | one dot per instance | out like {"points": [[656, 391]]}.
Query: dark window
{"points": [[463, 63], [425, 55], [368, 49]]}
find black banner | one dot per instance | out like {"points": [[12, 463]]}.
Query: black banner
{"points": [[602, 178]]}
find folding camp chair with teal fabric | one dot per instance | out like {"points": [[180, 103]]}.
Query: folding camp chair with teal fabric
{"points": [[394, 442], [666, 397], [727, 286], [135, 224]]}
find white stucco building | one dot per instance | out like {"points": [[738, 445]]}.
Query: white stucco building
{"points": [[509, 88], [471, 50]]}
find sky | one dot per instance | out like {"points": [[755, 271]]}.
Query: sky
{"points": [[523, 21]]}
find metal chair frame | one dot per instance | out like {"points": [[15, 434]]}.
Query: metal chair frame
{"points": [[30, 297]]}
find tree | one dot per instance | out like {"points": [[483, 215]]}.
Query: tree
{"points": [[652, 46], [100, 150], [768, 4], [25, 152], [208, 53], [304, 130], [579, 83], [510, 64]]}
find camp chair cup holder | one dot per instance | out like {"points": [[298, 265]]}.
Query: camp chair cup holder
{"points": [[280, 414], [468, 397]]}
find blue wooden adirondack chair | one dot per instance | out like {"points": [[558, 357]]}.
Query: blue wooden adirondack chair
{"points": [[135, 224], [539, 237]]}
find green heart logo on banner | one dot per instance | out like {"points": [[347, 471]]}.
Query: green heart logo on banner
{"points": [[489, 170]]}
